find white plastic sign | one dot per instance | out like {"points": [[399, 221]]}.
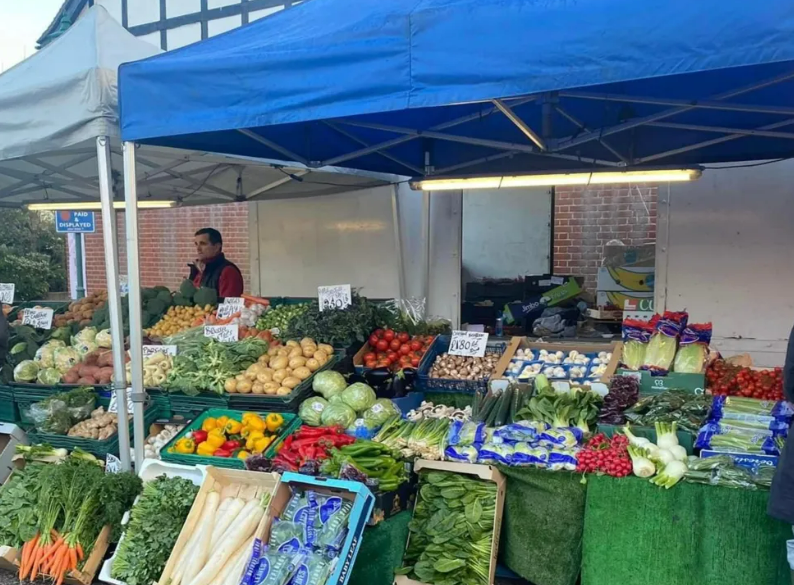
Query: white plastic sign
{"points": [[224, 333], [7, 293], [468, 343], [112, 464], [337, 296], [38, 318], [114, 405], [236, 302], [225, 311], [150, 350], [124, 285]]}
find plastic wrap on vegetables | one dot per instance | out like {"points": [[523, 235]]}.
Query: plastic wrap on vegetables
{"points": [[636, 335], [560, 438], [288, 537], [750, 409], [313, 569], [733, 440], [526, 454], [562, 459], [464, 453], [661, 349], [693, 348], [492, 453], [276, 568], [523, 430], [466, 433]]}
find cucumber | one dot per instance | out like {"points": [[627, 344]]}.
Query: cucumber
{"points": [[489, 422], [516, 403], [486, 406], [504, 407], [475, 404]]}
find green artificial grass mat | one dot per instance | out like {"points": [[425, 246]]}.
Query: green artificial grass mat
{"points": [[381, 551]]}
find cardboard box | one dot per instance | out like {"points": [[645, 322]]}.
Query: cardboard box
{"points": [[484, 472], [695, 383], [615, 348], [616, 300], [533, 305], [230, 483], [388, 504], [626, 279], [9, 556]]}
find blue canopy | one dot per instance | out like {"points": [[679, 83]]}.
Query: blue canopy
{"points": [[455, 87]]}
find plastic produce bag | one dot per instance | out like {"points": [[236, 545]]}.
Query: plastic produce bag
{"points": [[636, 335], [276, 568], [59, 413], [466, 433], [311, 410], [661, 349], [288, 537], [693, 349], [380, 412], [313, 569]]}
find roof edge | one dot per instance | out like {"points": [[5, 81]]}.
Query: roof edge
{"points": [[70, 9]]}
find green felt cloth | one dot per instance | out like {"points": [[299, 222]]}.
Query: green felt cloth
{"points": [[542, 525], [381, 551], [638, 534], [454, 399]]}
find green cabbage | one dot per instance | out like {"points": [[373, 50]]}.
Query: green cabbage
{"points": [[48, 377], [26, 371], [338, 413], [65, 358], [311, 410], [103, 339], [359, 396], [328, 383], [87, 334], [380, 412], [45, 355]]}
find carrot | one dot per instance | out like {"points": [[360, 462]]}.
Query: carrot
{"points": [[34, 571], [79, 551], [72, 559], [50, 550], [24, 558], [256, 300]]}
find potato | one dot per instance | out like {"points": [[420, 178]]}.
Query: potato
{"points": [[270, 371], [295, 352], [264, 359], [301, 373], [271, 387], [272, 351], [280, 375], [283, 351], [312, 364], [258, 388], [244, 387], [240, 378], [290, 381], [307, 341], [326, 348], [279, 363], [256, 368], [297, 362], [309, 351], [292, 343], [264, 377], [320, 356], [230, 385], [283, 391]]}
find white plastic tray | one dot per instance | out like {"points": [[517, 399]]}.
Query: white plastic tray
{"points": [[151, 469]]}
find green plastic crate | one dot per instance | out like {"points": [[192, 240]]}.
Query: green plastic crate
{"points": [[9, 411], [93, 446], [291, 423], [189, 407], [161, 401], [281, 404]]}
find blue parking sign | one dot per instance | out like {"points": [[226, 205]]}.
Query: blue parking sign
{"points": [[74, 222]]}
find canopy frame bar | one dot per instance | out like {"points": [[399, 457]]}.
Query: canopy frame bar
{"points": [[252, 196], [520, 124], [277, 147]]}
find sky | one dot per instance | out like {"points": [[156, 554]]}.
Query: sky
{"points": [[21, 23]]}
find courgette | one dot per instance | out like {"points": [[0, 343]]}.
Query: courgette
{"points": [[504, 407], [516, 403], [486, 406]]}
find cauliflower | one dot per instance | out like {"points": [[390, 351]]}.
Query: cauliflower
{"points": [[65, 358]]}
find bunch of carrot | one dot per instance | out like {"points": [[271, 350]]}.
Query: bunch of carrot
{"points": [[53, 554]]}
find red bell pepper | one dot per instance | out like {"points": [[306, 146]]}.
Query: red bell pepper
{"points": [[222, 453], [231, 445], [199, 436]]}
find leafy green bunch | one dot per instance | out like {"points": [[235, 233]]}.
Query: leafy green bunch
{"points": [[576, 408], [451, 533], [338, 327]]}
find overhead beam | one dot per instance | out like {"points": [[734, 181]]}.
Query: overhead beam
{"points": [[724, 130], [573, 120], [252, 196], [277, 147], [202, 184], [520, 124], [379, 152]]}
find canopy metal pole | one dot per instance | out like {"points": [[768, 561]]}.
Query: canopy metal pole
{"points": [[114, 297], [136, 321], [426, 235], [398, 242]]}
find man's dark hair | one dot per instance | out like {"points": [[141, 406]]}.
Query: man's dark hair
{"points": [[213, 235]]}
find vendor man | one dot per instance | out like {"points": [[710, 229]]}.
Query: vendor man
{"points": [[212, 269]]}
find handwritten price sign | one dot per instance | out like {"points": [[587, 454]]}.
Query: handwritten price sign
{"points": [[336, 296], [223, 333], [468, 343], [37, 318], [150, 350], [112, 464], [225, 311], [114, 405], [7, 293]]}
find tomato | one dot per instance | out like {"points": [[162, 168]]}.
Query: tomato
{"points": [[378, 333], [415, 362], [370, 364], [404, 337], [395, 344], [369, 356], [388, 335], [392, 355], [382, 345], [405, 349], [373, 340], [416, 345]]}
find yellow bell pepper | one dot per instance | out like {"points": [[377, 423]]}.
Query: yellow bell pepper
{"points": [[261, 444], [252, 438], [233, 427], [215, 438], [274, 421], [247, 415], [209, 424], [222, 420], [243, 455], [185, 446], [206, 449], [255, 422]]}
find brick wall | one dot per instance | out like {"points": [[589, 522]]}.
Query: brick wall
{"points": [[166, 243], [586, 218]]}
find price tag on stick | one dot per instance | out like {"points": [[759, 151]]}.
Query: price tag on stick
{"points": [[37, 318], [337, 296], [236, 302], [225, 311], [224, 333], [468, 343], [113, 407], [112, 464], [7, 293], [150, 350]]}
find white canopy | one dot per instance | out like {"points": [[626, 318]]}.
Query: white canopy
{"points": [[55, 104]]}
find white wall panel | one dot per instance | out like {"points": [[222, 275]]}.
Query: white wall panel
{"points": [[179, 7], [152, 38], [183, 35], [505, 232], [221, 25], [724, 253], [143, 12]]}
